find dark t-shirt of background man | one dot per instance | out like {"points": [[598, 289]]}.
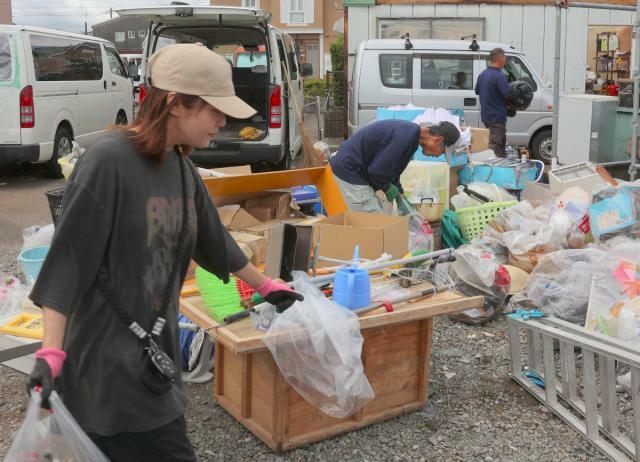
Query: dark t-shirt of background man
{"points": [[493, 89]]}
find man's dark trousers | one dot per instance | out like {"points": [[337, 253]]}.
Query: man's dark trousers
{"points": [[497, 138]]}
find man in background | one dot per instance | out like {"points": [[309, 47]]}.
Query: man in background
{"points": [[374, 158], [494, 91]]}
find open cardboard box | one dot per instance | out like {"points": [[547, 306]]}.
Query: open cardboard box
{"points": [[257, 244], [235, 218], [479, 139], [375, 234]]}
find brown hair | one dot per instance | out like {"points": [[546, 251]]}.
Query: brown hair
{"points": [[148, 132], [496, 54]]}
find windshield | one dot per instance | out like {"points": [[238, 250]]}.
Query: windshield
{"points": [[5, 57], [250, 59]]}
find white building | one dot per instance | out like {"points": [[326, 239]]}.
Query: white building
{"points": [[528, 26]]}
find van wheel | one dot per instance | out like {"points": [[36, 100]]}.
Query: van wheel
{"points": [[542, 146], [61, 147], [121, 119]]}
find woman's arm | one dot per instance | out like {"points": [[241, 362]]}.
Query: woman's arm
{"points": [[251, 275], [55, 324]]}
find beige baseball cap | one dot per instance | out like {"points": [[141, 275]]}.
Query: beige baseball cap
{"points": [[193, 69]]}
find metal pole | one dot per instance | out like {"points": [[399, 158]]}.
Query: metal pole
{"points": [[601, 6], [636, 91], [318, 115], [556, 86]]}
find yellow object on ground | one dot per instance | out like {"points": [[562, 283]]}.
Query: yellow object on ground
{"points": [[25, 325]]}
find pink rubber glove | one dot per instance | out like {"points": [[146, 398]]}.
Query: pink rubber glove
{"points": [[54, 358], [269, 285], [278, 294]]}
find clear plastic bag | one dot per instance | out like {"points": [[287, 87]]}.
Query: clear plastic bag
{"points": [[37, 236], [489, 190], [560, 284], [420, 232], [68, 163], [55, 438], [317, 345]]}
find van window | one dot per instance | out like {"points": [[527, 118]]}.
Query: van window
{"points": [[115, 63], [395, 70], [61, 59], [439, 73], [515, 69], [5, 57]]}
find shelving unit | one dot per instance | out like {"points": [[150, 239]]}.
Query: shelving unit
{"points": [[614, 64]]}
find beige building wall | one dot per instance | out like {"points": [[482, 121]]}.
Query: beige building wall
{"points": [[5, 12]]}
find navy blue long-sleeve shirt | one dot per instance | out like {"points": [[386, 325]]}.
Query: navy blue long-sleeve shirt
{"points": [[377, 154], [494, 91]]}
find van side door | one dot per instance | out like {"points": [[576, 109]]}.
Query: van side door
{"points": [[120, 86], [10, 60], [295, 92], [446, 80]]}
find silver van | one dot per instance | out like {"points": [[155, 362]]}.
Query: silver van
{"points": [[259, 55], [443, 73]]}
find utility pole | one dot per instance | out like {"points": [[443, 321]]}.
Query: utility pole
{"points": [[85, 21], [110, 13]]}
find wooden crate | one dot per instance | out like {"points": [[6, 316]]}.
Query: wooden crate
{"points": [[395, 355]]}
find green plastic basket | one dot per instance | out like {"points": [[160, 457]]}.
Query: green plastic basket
{"points": [[474, 220]]}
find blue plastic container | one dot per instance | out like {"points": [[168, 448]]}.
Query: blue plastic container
{"points": [[31, 261], [458, 159], [352, 288], [383, 113], [510, 177]]}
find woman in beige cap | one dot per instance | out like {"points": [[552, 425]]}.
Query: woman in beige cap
{"points": [[109, 287]]}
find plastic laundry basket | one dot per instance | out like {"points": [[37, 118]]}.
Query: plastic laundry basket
{"points": [[474, 220]]}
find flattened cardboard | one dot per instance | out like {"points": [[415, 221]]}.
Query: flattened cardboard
{"points": [[375, 234], [279, 201], [479, 139], [281, 251], [234, 217], [263, 213]]}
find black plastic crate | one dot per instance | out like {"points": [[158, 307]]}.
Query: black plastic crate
{"points": [[55, 197]]}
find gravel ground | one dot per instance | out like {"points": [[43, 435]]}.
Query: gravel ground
{"points": [[474, 411]]}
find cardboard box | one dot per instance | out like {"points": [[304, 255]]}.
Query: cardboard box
{"points": [[257, 244], [375, 234], [234, 217], [479, 139], [262, 229], [279, 202], [263, 213]]}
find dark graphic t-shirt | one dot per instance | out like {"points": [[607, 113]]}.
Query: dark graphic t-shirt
{"points": [[123, 213]]}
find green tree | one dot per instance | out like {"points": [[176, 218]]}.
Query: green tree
{"points": [[337, 63]]}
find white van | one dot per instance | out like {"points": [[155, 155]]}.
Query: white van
{"points": [[56, 87], [443, 73], [133, 62], [258, 54]]}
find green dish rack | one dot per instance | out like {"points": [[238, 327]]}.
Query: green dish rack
{"points": [[474, 220]]}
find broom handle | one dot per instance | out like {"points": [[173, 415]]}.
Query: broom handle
{"points": [[291, 94]]}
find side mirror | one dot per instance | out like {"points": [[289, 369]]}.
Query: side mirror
{"points": [[307, 69]]}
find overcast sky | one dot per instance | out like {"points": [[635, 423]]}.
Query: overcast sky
{"points": [[70, 14]]}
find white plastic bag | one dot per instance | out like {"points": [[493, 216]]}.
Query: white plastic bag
{"points": [[68, 162], [37, 236], [12, 292], [317, 345], [55, 438]]}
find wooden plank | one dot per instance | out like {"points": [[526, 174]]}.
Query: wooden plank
{"points": [[263, 385], [241, 337], [425, 358], [218, 370], [251, 425], [280, 410], [245, 400]]}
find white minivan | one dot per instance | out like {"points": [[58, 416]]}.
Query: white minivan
{"points": [[56, 87], [259, 54], [443, 73]]}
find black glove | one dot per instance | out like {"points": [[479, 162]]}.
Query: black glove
{"points": [[283, 299], [41, 376]]}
